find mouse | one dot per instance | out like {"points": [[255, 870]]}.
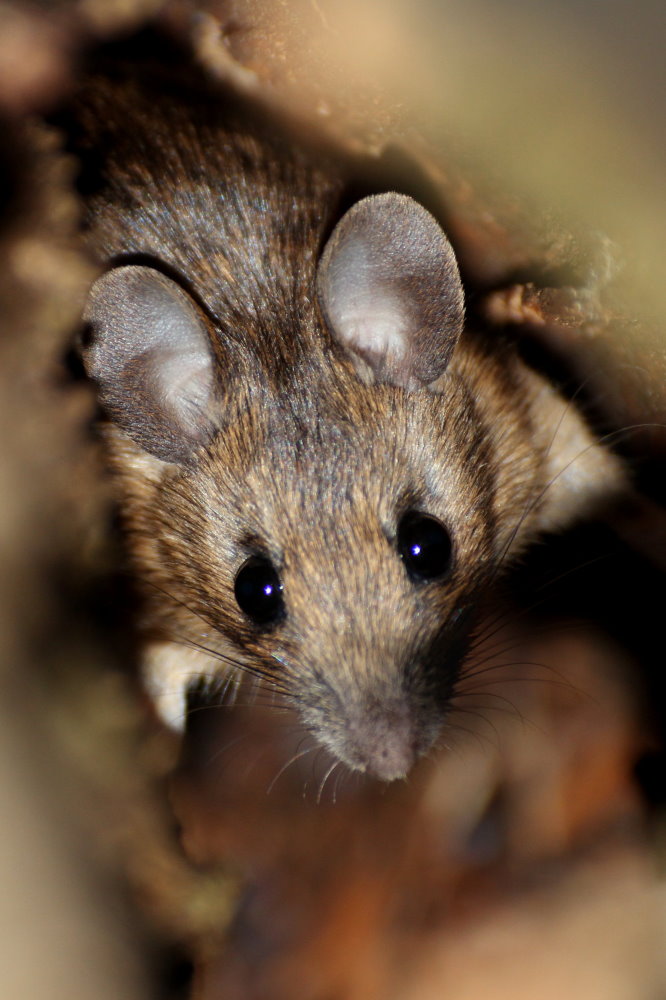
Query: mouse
{"points": [[322, 467]]}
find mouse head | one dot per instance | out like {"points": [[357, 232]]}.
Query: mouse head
{"points": [[388, 287], [328, 529]]}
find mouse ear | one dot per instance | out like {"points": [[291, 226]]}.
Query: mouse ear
{"points": [[390, 290], [150, 355]]}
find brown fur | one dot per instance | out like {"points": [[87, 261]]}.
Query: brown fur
{"points": [[309, 465]]}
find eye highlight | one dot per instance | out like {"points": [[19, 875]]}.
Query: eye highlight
{"points": [[258, 591], [424, 545]]}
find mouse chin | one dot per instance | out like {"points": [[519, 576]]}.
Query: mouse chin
{"points": [[381, 741]]}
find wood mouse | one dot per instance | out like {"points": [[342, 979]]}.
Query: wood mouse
{"points": [[321, 469]]}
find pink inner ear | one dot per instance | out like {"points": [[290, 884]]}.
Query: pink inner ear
{"points": [[151, 358], [390, 290], [371, 320], [183, 383]]}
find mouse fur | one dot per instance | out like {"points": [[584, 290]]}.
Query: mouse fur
{"points": [[258, 408]]}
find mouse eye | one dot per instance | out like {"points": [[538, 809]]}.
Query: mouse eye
{"points": [[424, 545], [258, 591]]}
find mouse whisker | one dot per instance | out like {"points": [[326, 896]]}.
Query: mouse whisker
{"points": [[559, 680], [512, 615], [510, 708], [454, 727], [488, 641], [487, 656], [342, 776], [605, 439], [292, 760], [334, 765], [223, 751], [251, 669], [482, 658]]}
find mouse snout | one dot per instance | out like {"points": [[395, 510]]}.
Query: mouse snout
{"points": [[386, 751], [386, 741]]}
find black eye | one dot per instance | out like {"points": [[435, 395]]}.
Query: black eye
{"points": [[258, 591], [424, 545]]}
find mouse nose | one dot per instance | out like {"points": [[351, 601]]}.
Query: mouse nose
{"points": [[384, 743], [391, 761]]}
